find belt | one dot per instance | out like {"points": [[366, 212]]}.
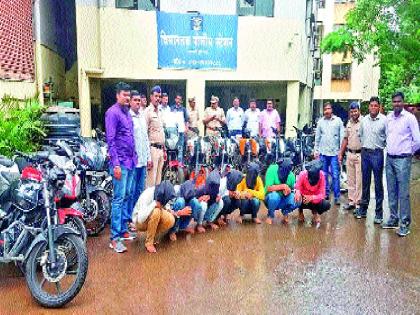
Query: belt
{"points": [[371, 150], [354, 151], [157, 145], [401, 156]]}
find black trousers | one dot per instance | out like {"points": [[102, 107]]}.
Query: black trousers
{"points": [[229, 205], [319, 208], [372, 162]]}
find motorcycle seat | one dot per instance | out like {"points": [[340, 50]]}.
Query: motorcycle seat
{"points": [[6, 162]]}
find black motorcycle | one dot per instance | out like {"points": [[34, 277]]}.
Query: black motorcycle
{"points": [[91, 197], [52, 256]]}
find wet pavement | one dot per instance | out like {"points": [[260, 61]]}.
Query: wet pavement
{"points": [[347, 266]]}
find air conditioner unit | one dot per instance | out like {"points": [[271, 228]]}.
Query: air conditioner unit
{"points": [[126, 4]]}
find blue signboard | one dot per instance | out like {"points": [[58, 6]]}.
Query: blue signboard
{"points": [[191, 41]]}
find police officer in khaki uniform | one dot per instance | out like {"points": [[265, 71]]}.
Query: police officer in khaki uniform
{"points": [[214, 117], [156, 137], [353, 145]]}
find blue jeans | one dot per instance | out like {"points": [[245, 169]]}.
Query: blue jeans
{"points": [[398, 173], [180, 147], [286, 203], [182, 223], [234, 133], [119, 205], [372, 161], [135, 190], [212, 211], [335, 167], [249, 206]]}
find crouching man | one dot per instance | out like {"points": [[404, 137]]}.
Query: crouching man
{"points": [[188, 205], [153, 212], [209, 198], [310, 187], [279, 186], [230, 196], [251, 192]]}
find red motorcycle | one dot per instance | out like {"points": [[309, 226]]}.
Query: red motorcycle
{"points": [[72, 216]]}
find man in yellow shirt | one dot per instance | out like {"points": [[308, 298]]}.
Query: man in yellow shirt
{"points": [[251, 191]]}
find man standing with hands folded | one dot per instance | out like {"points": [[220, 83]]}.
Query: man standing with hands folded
{"points": [[121, 149]]}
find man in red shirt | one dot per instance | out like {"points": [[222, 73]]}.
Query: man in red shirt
{"points": [[311, 187]]}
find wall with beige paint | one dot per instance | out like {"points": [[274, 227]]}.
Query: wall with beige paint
{"points": [[364, 81], [17, 89], [125, 46]]}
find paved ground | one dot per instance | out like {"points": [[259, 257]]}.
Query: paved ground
{"points": [[345, 267]]}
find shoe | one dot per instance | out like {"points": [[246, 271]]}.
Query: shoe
{"points": [[117, 246], [360, 214], [349, 207], [377, 220], [390, 225], [337, 202], [403, 231], [129, 236]]}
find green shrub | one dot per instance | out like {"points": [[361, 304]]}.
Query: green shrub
{"points": [[20, 126]]}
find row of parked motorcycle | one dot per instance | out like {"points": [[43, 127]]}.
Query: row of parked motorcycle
{"points": [[50, 201], [203, 154]]}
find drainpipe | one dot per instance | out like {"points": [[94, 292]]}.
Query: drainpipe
{"points": [[38, 56]]}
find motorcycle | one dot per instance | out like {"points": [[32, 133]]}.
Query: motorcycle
{"points": [[52, 256], [88, 195], [173, 170], [196, 156]]}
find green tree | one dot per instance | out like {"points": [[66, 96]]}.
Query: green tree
{"points": [[390, 30]]}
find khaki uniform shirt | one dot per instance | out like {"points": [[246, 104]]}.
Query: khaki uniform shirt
{"points": [[194, 118], [154, 125], [214, 123], [352, 135]]}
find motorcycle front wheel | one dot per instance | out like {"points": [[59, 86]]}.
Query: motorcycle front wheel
{"points": [[97, 216], [55, 285]]}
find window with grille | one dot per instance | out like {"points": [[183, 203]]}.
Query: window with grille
{"points": [[341, 71], [255, 7], [146, 5], [319, 34]]}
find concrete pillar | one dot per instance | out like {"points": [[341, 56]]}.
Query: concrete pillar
{"points": [[292, 108], [84, 105], [197, 88]]}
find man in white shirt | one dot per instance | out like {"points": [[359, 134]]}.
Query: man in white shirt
{"points": [[142, 146], [165, 110], [252, 118], [235, 118]]}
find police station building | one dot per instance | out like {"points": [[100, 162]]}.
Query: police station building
{"points": [[247, 48]]}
